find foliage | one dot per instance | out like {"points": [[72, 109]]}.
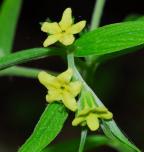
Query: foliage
{"points": [[95, 46]]}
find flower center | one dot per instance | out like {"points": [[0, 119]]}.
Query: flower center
{"points": [[62, 87]]}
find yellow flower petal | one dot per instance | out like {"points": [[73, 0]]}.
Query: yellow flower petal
{"points": [[76, 28], [69, 101], [84, 112], [59, 88], [75, 88], [77, 121], [66, 20], [67, 39], [48, 80], [101, 109], [66, 76], [51, 39], [92, 122], [53, 95], [106, 116], [51, 28]]}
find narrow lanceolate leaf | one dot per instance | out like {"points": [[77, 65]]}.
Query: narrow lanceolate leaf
{"points": [[8, 20], [48, 127], [110, 38], [26, 55], [113, 132]]}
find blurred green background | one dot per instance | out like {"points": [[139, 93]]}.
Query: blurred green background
{"points": [[119, 82]]}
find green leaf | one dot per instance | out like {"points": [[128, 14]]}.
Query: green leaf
{"points": [[8, 19], [73, 144], [103, 58], [26, 55], [110, 38], [109, 56], [113, 132], [92, 142], [134, 17], [48, 127]]}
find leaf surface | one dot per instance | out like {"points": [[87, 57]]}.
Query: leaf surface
{"points": [[26, 55], [48, 127], [9, 14], [110, 38]]}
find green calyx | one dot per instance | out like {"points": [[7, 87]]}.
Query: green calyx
{"points": [[89, 114]]}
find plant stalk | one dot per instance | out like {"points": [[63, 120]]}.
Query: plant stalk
{"points": [[97, 14], [82, 140]]}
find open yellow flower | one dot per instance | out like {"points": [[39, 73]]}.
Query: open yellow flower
{"points": [[62, 31], [90, 114], [61, 88]]}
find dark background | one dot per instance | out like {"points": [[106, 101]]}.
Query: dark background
{"points": [[119, 82]]}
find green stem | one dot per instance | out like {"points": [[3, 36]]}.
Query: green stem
{"points": [[71, 64], [97, 14], [82, 140], [109, 127], [21, 72], [95, 21], [78, 76]]}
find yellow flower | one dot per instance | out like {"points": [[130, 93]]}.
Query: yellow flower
{"points": [[62, 31], [90, 114], [61, 88]]}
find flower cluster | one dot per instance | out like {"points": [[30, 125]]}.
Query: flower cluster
{"points": [[62, 88]]}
